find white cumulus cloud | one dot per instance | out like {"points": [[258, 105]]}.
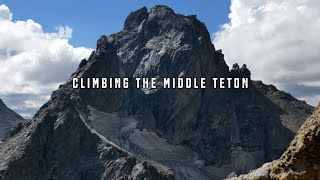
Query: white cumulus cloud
{"points": [[33, 62], [5, 13], [279, 40]]}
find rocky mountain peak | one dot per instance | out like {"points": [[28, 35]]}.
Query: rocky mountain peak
{"points": [[161, 12], [195, 133], [158, 12], [150, 38], [162, 9], [136, 18], [162, 19], [251, 126]]}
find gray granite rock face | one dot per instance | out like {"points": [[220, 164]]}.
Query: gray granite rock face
{"points": [[210, 132]]}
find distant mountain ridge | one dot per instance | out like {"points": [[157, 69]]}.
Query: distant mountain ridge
{"points": [[159, 133], [8, 119]]}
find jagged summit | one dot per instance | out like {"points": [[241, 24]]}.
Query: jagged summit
{"points": [[162, 9], [148, 36], [186, 133], [136, 18], [160, 17]]}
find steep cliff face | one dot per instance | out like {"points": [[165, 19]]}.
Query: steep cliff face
{"points": [[8, 119], [302, 158], [197, 133]]}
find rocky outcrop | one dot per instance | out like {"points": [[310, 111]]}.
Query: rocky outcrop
{"points": [[119, 133], [59, 145], [8, 120], [302, 158]]}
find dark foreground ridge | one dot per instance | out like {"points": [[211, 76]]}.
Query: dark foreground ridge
{"points": [[154, 133]]}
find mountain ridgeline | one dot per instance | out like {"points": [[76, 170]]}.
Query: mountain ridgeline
{"points": [[154, 133], [8, 120]]}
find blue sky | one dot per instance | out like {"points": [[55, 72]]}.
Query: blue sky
{"points": [[91, 19]]}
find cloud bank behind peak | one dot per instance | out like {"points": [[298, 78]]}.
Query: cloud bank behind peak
{"points": [[279, 40], [33, 62]]}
